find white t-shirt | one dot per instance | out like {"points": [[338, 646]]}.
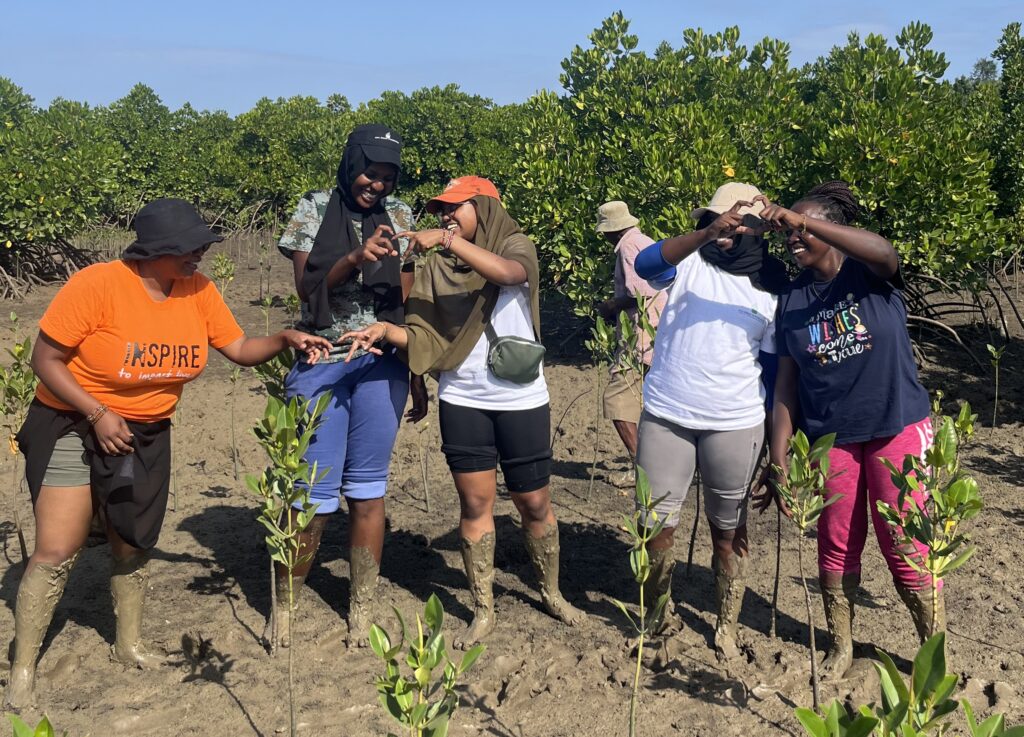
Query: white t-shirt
{"points": [[705, 374], [473, 385]]}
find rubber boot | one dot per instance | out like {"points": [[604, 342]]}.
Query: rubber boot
{"points": [[659, 583], [309, 541], [364, 570], [839, 611], [729, 590], [40, 590], [544, 553], [129, 579], [478, 558], [919, 602]]}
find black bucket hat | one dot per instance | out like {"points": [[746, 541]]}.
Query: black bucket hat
{"points": [[168, 227]]}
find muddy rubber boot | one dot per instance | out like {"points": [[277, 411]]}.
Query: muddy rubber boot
{"points": [[309, 541], [544, 553], [129, 579], [919, 602], [729, 592], [478, 558], [364, 570], [659, 583], [38, 594], [838, 601]]}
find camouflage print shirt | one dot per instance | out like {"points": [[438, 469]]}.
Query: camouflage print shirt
{"points": [[351, 306]]}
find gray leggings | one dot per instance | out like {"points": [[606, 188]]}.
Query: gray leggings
{"points": [[670, 454]]}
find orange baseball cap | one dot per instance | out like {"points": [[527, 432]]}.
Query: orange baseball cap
{"points": [[461, 190]]}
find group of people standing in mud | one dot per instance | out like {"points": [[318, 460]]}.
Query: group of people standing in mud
{"points": [[384, 304]]}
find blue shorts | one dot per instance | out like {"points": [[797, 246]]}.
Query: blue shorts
{"points": [[357, 431]]}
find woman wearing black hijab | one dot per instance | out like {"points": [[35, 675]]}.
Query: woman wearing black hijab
{"points": [[704, 401], [348, 273]]}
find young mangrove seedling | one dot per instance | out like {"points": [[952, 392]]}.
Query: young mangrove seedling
{"points": [[17, 389], [223, 271], [935, 497], [407, 698], [642, 526], [996, 356], [285, 432], [801, 487]]}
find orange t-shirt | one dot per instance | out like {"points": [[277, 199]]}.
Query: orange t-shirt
{"points": [[129, 351]]}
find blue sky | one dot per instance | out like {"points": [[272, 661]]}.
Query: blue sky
{"points": [[222, 54]]}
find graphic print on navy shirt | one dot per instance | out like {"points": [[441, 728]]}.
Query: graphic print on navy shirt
{"points": [[849, 340]]}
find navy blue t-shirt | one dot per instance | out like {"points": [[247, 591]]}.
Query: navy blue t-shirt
{"points": [[850, 343]]}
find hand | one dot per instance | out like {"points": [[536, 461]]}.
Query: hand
{"points": [[607, 309], [778, 217], [421, 241], [314, 346], [766, 492], [418, 391], [113, 435], [728, 224], [377, 246], [365, 339]]}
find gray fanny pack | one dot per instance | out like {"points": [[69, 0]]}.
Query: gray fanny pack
{"points": [[513, 358]]}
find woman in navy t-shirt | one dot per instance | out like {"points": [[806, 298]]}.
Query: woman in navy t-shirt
{"points": [[846, 367]]}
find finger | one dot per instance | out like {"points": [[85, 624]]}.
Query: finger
{"points": [[352, 351], [738, 205], [383, 229]]}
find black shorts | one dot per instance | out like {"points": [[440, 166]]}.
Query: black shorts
{"points": [[475, 439]]}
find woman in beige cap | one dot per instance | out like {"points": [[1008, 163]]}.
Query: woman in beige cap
{"points": [[703, 397]]}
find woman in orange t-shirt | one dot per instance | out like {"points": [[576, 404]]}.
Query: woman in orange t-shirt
{"points": [[115, 348]]}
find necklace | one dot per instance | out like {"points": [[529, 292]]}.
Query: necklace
{"points": [[823, 297]]}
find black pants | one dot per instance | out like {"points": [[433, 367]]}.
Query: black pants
{"points": [[475, 440]]}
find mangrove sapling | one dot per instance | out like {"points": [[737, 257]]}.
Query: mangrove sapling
{"points": [[43, 729], [292, 305], [17, 388], [642, 526], [236, 374], [801, 487], [266, 301], [996, 356], [935, 497], [408, 698], [223, 271], [602, 347], [285, 432]]}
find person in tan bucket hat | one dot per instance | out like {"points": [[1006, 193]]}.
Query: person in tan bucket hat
{"points": [[704, 402], [623, 396]]}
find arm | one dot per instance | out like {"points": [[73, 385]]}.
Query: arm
{"points": [[49, 362], [492, 267], [376, 247], [248, 351], [721, 230], [367, 338], [871, 249], [785, 412]]}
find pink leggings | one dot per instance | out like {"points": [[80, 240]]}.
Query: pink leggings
{"points": [[863, 481]]}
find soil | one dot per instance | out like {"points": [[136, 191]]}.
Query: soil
{"points": [[210, 594]]}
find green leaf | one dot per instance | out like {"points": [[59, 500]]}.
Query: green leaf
{"points": [[380, 643], [433, 614], [929, 666], [471, 657], [20, 728], [812, 723]]}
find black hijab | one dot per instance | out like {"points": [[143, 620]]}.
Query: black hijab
{"points": [[748, 257], [336, 238]]}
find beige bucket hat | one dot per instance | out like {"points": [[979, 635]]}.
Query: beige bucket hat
{"points": [[614, 216], [728, 195]]}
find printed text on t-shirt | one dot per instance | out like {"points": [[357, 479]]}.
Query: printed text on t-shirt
{"points": [[837, 333], [181, 361]]}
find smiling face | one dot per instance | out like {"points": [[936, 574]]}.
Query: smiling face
{"points": [[807, 250], [375, 183], [180, 267], [461, 218]]}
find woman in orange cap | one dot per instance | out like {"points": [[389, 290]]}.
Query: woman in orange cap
{"points": [[479, 280]]}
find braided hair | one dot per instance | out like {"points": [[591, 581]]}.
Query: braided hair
{"points": [[837, 202]]}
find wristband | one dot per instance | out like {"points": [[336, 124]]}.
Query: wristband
{"points": [[93, 417]]}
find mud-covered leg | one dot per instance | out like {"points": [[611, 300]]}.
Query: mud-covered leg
{"points": [[309, 543], [928, 613], [129, 579], [40, 590], [544, 554], [478, 558], [730, 587], [837, 594], [663, 563]]}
